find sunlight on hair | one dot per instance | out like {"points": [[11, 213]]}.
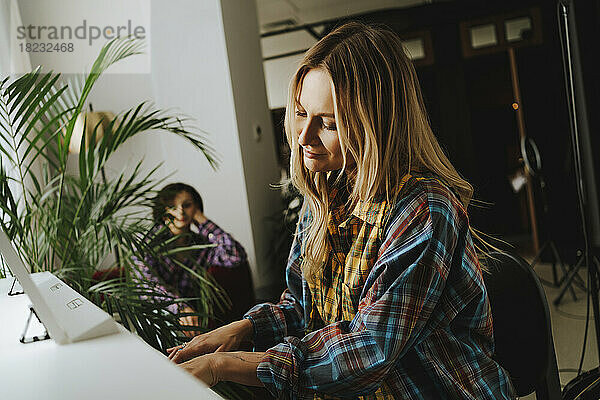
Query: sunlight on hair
{"points": [[382, 125]]}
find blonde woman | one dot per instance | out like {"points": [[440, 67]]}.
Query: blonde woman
{"points": [[385, 296]]}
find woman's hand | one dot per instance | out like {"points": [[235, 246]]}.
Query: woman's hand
{"points": [[203, 368], [239, 367], [225, 338]]}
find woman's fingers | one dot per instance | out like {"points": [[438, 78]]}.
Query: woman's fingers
{"points": [[223, 339], [222, 347], [191, 349], [174, 351], [175, 357]]}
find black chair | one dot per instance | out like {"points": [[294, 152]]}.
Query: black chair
{"points": [[522, 328]]}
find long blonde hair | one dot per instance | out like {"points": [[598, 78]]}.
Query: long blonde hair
{"points": [[382, 125]]}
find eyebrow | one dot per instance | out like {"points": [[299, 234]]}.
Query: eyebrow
{"points": [[328, 115]]}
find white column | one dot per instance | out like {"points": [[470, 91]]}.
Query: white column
{"points": [[206, 60]]}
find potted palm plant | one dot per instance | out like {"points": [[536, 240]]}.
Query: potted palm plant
{"points": [[67, 222]]}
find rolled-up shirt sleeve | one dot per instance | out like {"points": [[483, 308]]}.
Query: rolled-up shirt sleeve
{"points": [[396, 311]]}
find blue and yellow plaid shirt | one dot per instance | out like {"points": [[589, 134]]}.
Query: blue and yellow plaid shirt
{"points": [[400, 312]]}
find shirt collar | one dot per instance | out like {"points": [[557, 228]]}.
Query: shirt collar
{"points": [[373, 211], [370, 211]]}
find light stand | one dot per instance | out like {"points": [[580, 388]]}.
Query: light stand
{"points": [[583, 161], [532, 161]]}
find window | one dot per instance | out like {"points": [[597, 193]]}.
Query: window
{"points": [[498, 33]]}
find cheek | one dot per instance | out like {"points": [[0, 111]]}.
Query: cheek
{"points": [[332, 144], [296, 136]]}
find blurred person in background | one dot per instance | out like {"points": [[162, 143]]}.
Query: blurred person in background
{"points": [[178, 213]]}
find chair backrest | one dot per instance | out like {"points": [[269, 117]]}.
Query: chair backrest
{"points": [[522, 327], [237, 284]]}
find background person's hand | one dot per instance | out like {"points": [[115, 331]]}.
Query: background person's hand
{"points": [[189, 320], [225, 338]]}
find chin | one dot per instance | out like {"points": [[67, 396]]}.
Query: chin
{"points": [[320, 165], [315, 165]]}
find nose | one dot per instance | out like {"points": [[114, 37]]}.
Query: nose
{"points": [[309, 134]]}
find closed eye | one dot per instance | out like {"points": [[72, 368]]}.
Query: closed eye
{"points": [[326, 126], [329, 127]]}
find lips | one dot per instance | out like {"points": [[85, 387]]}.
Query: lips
{"points": [[310, 154]]}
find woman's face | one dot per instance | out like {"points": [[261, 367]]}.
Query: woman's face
{"points": [[182, 210], [315, 123]]}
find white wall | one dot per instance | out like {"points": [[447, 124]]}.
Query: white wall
{"points": [[252, 112], [309, 11], [4, 38], [279, 71], [215, 76], [9, 61], [83, 21], [191, 70]]}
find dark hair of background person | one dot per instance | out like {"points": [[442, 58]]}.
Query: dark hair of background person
{"points": [[166, 195]]}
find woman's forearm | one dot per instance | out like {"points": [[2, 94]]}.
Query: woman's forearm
{"points": [[239, 367]]}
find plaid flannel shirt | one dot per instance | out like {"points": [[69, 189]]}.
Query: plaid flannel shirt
{"points": [[401, 311]]}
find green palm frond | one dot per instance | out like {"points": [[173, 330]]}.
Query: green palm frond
{"points": [[24, 104]]}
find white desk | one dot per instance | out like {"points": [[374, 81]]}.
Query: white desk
{"points": [[119, 366]]}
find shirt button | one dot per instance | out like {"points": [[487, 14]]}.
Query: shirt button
{"points": [[210, 236]]}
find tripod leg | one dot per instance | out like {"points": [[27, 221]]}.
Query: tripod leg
{"points": [[554, 274], [538, 256], [555, 282], [593, 284], [558, 260], [577, 280], [569, 280], [571, 289]]}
